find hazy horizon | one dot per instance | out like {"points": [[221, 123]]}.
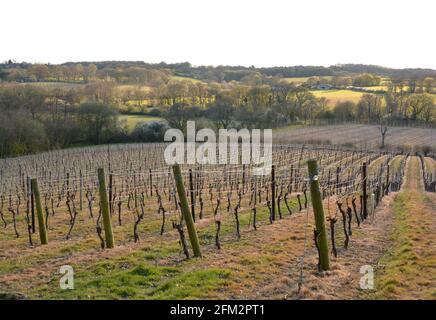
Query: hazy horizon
{"points": [[277, 33]]}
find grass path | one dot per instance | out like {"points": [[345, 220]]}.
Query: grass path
{"points": [[408, 270]]}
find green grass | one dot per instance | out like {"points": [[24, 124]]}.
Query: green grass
{"points": [[407, 271], [133, 277], [133, 120]]}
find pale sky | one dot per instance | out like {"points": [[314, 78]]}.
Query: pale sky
{"points": [[392, 33]]}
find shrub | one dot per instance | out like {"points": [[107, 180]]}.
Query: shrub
{"points": [[150, 131]]}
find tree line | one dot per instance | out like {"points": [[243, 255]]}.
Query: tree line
{"points": [[42, 117], [154, 73]]}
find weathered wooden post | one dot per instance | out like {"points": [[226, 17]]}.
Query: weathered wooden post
{"points": [[273, 193], [110, 193], [135, 185], [185, 211], [191, 192], [104, 203], [372, 204], [364, 191], [387, 180], [243, 178], [81, 190], [41, 223], [150, 180], [318, 210], [32, 205]]}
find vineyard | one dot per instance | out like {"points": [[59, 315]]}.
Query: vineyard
{"points": [[60, 193], [363, 136]]}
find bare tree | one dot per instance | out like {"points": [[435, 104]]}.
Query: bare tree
{"points": [[383, 131]]}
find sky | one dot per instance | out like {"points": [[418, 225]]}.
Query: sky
{"points": [[392, 33]]}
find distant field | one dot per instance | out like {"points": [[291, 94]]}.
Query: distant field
{"points": [[296, 80], [133, 120], [376, 88], [357, 135], [334, 96], [179, 78], [66, 85], [125, 87]]}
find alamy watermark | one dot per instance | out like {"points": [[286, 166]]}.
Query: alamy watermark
{"points": [[66, 282], [367, 280], [233, 147]]}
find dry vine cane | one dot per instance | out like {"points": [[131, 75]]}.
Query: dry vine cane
{"points": [[1, 211], [139, 217], [332, 221], [179, 227], [236, 214], [353, 203], [344, 220], [161, 210], [315, 238], [287, 204], [73, 213], [100, 230], [14, 214], [217, 218]]}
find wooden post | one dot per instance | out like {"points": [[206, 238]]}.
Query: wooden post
{"points": [[41, 223], [104, 203], [372, 205], [150, 180], [81, 190], [243, 179], [32, 205], [110, 193], [136, 190], [28, 203], [273, 193], [185, 211], [318, 210], [191, 191], [364, 191], [387, 180]]}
